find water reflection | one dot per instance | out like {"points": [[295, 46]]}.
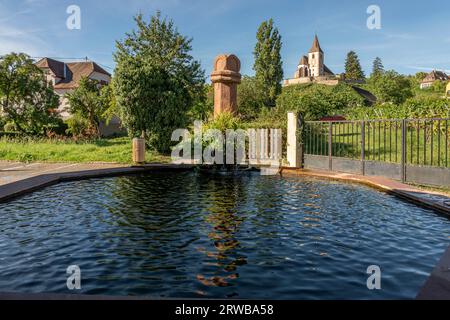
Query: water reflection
{"points": [[223, 215]]}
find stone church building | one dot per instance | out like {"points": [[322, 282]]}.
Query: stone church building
{"points": [[312, 68]]}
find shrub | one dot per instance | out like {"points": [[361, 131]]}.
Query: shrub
{"points": [[392, 87], [316, 101], [77, 126], [419, 107], [223, 122], [2, 123], [10, 127]]}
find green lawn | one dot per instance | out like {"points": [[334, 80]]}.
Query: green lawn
{"points": [[116, 150]]}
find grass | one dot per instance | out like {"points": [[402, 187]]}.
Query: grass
{"points": [[114, 150]]}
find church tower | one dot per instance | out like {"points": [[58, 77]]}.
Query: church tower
{"points": [[303, 68], [316, 59]]}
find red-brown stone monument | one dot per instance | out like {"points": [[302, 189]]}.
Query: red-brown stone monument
{"points": [[225, 78]]}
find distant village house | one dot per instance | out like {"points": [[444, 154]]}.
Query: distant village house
{"points": [[432, 77]]}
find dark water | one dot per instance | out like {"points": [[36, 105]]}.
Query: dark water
{"points": [[197, 235]]}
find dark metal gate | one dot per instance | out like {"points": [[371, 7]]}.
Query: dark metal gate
{"points": [[410, 150]]}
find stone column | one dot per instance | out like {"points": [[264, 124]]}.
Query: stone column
{"points": [[225, 78]]}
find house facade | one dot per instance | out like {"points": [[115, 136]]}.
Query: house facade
{"points": [[65, 78], [432, 77], [312, 68]]}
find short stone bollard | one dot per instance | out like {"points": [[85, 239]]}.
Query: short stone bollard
{"points": [[139, 150]]}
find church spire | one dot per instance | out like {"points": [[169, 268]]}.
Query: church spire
{"points": [[316, 46]]}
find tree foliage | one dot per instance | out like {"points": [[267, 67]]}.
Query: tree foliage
{"points": [[89, 103], [26, 98], [156, 80], [413, 108], [250, 98], [378, 68], [316, 101], [268, 65], [353, 69], [392, 87], [203, 105]]}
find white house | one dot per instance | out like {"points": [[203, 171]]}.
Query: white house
{"points": [[432, 77], [65, 78]]}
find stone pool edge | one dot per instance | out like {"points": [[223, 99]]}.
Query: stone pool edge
{"points": [[28, 185]]}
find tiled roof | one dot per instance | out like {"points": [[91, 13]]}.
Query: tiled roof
{"points": [[435, 76], [74, 71], [316, 46], [303, 61], [57, 67], [367, 95], [327, 70], [78, 70]]}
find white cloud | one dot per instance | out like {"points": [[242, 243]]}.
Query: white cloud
{"points": [[427, 69], [15, 36], [14, 39]]}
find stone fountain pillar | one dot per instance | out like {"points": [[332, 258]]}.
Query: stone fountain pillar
{"points": [[225, 78]]}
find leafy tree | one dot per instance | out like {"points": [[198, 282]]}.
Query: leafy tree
{"points": [[109, 104], [156, 80], [392, 87], [439, 86], [317, 101], [87, 102], [268, 65], [353, 69], [378, 68], [203, 106], [26, 98], [420, 76], [250, 98]]}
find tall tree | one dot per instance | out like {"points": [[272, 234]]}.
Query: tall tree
{"points": [[26, 98], [353, 69], [268, 65], [156, 80], [378, 68], [88, 102]]}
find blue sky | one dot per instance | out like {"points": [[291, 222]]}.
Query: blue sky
{"points": [[415, 36]]}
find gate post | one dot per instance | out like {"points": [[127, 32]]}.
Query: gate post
{"points": [[403, 165], [294, 149], [363, 148]]}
